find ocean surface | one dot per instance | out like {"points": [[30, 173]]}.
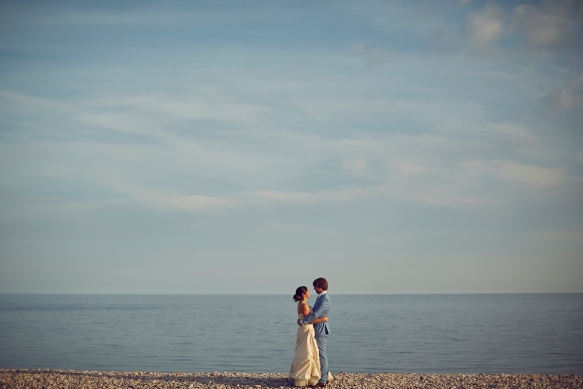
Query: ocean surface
{"points": [[498, 333]]}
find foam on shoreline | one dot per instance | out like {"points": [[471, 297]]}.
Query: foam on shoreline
{"points": [[30, 378]]}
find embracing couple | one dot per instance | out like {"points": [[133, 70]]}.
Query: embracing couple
{"points": [[310, 364]]}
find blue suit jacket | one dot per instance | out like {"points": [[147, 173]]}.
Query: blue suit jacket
{"points": [[321, 309]]}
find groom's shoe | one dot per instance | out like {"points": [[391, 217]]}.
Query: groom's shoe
{"points": [[320, 385]]}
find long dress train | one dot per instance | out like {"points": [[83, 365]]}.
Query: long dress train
{"points": [[305, 368]]}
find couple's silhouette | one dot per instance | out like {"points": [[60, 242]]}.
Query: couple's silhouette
{"points": [[310, 364]]}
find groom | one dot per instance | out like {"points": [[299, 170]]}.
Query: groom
{"points": [[321, 309]]}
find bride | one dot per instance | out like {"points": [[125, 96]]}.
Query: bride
{"points": [[305, 368]]}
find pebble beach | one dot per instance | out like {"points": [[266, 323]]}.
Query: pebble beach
{"points": [[48, 379]]}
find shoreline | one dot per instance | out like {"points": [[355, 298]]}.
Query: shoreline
{"points": [[52, 378]]}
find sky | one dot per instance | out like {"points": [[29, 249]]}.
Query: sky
{"points": [[249, 147]]}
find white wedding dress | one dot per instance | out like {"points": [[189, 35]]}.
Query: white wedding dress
{"points": [[305, 368]]}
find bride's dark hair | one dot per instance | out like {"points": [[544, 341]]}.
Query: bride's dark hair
{"points": [[299, 293]]}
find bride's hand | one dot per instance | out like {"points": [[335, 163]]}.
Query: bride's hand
{"points": [[326, 319]]}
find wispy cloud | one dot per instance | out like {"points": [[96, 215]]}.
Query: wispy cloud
{"points": [[486, 26], [568, 99], [530, 175], [206, 104], [547, 25]]}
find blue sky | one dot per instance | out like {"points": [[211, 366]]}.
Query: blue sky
{"points": [[250, 147]]}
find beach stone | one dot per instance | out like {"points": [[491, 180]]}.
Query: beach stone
{"points": [[49, 379]]}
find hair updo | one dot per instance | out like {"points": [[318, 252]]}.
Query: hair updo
{"points": [[300, 293]]}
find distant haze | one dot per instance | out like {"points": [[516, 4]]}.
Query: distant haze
{"points": [[248, 147]]}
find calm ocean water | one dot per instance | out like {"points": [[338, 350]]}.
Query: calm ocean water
{"points": [[514, 333]]}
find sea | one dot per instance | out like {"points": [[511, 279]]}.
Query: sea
{"points": [[472, 333]]}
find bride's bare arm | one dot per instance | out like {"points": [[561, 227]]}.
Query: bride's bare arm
{"points": [[304, 309], [320, 320]]}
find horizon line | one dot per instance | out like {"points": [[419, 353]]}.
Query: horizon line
{"points": [[282, 294]]}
